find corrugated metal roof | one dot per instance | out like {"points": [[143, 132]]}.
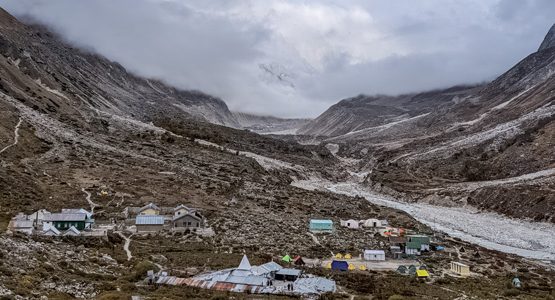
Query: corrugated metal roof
{"points": [[266, 268], [374, 252], [149, 220], [150, 206], [289, 272], [65, 217], [247, 280], [22, 224], [314, 285], [76, 211]]}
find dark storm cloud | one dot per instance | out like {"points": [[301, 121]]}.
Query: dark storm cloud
{"points": [[295, 58]]}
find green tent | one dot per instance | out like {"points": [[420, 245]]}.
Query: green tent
{"points": [[287, 259]]}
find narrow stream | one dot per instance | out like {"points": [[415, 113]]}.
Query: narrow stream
{"points": [[490, 230]]}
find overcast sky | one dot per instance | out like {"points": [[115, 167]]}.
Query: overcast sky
{"points": [[296, 58]]}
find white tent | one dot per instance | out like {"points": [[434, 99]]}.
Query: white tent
{"points": [[72, 231], [372, 223], [50, 230], [374, 255]]}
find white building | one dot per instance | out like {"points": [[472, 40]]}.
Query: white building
{"points": [[21, 225], [350, 224], [375, 255], [372, 223]]}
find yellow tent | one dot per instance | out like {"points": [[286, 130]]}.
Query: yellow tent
{"points": [[338, 255], [352, 267], [362, 268], [348, 256], [422, 274], [328, 266]]}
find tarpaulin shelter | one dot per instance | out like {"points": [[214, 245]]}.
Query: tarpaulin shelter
{"points": [[402, 270], [422, 274], [299, 261], [321, 225], [339, 265]]}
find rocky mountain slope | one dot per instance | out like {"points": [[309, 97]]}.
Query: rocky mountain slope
{"points": [[90, 80], [361, 112], [549, 40], [501, 134]]}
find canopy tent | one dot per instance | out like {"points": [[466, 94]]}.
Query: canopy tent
{"points": [[287, 259], [402, 270], [516, 283], [422, 274], [339, 265]]}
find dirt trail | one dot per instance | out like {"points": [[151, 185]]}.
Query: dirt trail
{"points": [[16, 136], [314, 238], [126, 245], [88, 197]]}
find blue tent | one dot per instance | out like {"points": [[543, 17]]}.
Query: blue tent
{"points": [[339, 265]]}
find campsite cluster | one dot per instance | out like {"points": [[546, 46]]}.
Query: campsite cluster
{"points": [[290, 274], [404, 250]]}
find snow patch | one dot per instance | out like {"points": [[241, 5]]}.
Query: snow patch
{"points": [[502, 105], [53, 91]]}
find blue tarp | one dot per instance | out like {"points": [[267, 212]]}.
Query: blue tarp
{"points": [[339, 265]]}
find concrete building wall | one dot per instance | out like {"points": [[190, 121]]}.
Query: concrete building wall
{"points": [[187, 221], [149, 228]]}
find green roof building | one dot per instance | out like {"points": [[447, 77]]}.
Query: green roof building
{"points": [[416, 244]]}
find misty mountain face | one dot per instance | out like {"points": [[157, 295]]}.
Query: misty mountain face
{"points": [[73, 120], [268, 124], [86, 79], [356, 114], [489, 146]]}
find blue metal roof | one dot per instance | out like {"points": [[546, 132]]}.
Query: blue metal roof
{"points": [[315, 221], [149, 220]]}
